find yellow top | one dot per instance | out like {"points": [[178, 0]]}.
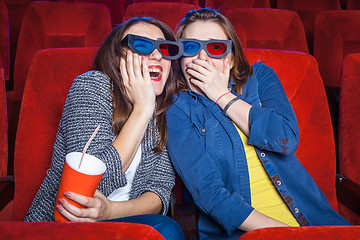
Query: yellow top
{"points": [[264, 196]]}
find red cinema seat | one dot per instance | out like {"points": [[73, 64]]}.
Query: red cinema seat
{"points": [[269, 28], [169, 13], [78, 231], [4, 40], [3, 127], [349, 127], [335, 36], [50, 76], [195, 2], [222, 5], [307, 10], [57, 25], [116, 7], [305, 233], [352, 4]]}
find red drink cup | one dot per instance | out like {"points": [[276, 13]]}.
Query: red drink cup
{"points": [[83, 180]]}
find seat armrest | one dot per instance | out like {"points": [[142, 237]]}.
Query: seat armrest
{"points": [[7, 186], [348, 192]]}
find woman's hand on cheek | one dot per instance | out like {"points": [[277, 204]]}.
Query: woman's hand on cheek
{"points": [[97, 208], [137, 82], [208, 78]]}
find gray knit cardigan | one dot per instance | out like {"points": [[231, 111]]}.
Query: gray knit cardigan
{"points": [[87, 105]]}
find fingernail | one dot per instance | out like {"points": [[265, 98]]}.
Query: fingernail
{"points": [[193, 60], [61, 201], [187, 64], [142, 57], [189, 78], [186, 69], [67, 194], [59, 208]]}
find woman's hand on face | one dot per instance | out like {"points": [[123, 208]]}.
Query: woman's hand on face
{"points": [[96, 209], [136, 77], [208, 78]]}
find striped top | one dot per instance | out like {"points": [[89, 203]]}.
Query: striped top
{"points": [[87, 105]]}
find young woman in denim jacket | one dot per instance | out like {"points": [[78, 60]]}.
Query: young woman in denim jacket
{"points": [[232, 134]]}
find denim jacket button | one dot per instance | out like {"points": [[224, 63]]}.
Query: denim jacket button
{"points": [[296, 210], [262, 154], [203, 130], [278, 183]]}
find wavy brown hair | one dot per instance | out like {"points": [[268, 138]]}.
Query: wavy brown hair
{"points": [[107, 60], [241, 69]]}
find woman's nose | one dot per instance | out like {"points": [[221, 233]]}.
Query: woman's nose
{"points": [[155, 55], [203, 55]]}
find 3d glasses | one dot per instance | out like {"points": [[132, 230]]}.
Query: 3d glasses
{"points": [[145, 46], [214, 48]]}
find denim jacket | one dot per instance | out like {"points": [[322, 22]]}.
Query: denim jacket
{"points": [[207, 153]]}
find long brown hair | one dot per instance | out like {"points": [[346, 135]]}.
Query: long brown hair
{"points": [[107, 60], [241, 69]]}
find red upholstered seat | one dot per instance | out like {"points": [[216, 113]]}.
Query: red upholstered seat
{"points": [[307, 10], [195, 2], [300, 77], [57, 25], [4, 40], [116, 7], [222, 5], [352, 4], [335, 35], [3, 127], [78, 231], [169, 13], [305, 233], [50, 76], [349, 124], [269, 28]]}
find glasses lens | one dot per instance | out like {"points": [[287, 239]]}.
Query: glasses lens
{"points": [[142, 45], [169, 49], [191, 47], [216, 48]]}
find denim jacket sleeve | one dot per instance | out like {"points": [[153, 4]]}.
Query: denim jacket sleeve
{"points": [[273, 125], [199, 172]]}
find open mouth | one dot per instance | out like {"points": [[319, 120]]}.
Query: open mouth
{"points": [[155, 72]]}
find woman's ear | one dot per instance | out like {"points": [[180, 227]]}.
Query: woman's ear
{"points": [[231, 60]]}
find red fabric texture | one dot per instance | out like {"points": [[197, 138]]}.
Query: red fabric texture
{"points": [[80, 231], [349, 131], [116, 7], [3, 127], [305, 233], [169, 13], [50, 76], [195, 2], [56, 25], [222, 5], [269, 28], [335, 36], [4, 40], [353, 5], [307, 10], [300, 77]]}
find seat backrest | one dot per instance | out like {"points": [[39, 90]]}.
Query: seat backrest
{"points": [[222, 5], [195, 2], [57, 25], [89, 231], [269, 28], [335, 37], [116, 7], [353, 5], [349, 118], [50, 76], [3, 127], [169, 13], [299, 75], [307, 10], [4, 39]]}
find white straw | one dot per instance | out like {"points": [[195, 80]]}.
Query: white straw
{"points": [[88, 143]]}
